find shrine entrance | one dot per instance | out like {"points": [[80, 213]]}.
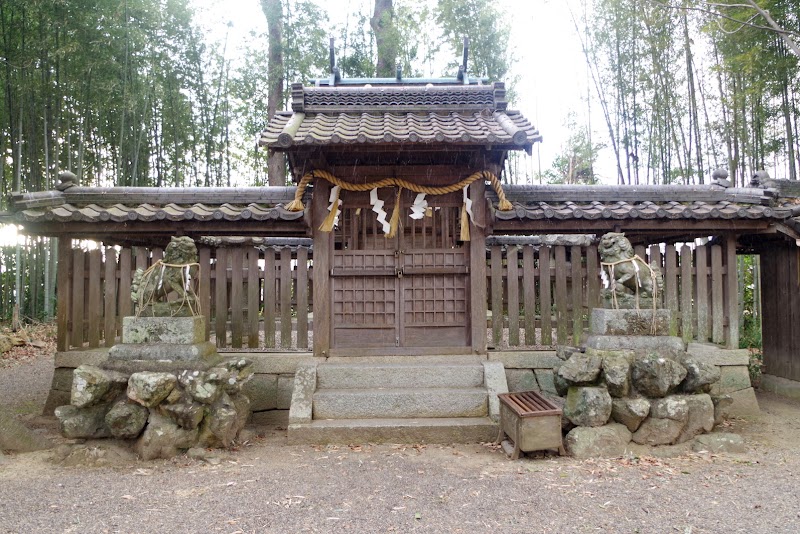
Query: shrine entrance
{"points": [[408, 294]]}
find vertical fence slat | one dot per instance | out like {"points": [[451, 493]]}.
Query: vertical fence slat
{"points": [[78, 277], [302, 298], [671, 287], [95, 297], [110, 298], [512, 268], [592, 279], [546, 295], [253, 298], [686, 294], [237, 297], [496, 271], [221, 297], [141, 258], [286, 298], [731, 293], [529, 294], [655, 258], [204, 287], [64, 292], [269, 298], [577, 293], [701, 268], [562, 302], [717, 304], [125, 279]]}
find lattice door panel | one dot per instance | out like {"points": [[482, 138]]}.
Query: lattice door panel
{"points": [[435, 310], [365, 298], [409, 291]]}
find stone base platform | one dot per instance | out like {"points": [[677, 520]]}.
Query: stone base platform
{"points": [[429, 430], [643, 322], [157, 351]]}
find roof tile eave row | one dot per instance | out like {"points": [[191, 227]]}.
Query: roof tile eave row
{"points": [[650, 211], [146, 213]]}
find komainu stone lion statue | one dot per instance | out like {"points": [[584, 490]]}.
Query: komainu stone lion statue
{"points": [[175, 274], [629, 281]]}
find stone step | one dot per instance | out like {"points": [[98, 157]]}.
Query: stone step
{"points": [[398, 375], [400, 403], [428, 430]]}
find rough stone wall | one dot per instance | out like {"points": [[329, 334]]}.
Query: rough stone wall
{"points": [[533, 370], [269, 390]]}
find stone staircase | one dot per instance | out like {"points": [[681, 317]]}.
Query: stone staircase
{"points": [[385, 402]]}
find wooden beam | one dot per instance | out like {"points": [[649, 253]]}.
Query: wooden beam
{"points": [[477, 263], [63, 293], [323, 246], [731, 293]]}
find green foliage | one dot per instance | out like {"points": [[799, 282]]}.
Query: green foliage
{"points": [[575, 163], [122, 93], [486, 27], [750, 327]]}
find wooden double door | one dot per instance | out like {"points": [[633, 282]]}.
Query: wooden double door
{"points": [[403, 295]]}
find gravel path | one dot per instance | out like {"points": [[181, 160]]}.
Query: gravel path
{"points": [[267, 486]]}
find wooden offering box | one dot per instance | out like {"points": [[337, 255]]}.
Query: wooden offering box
{"points": [[531, 421]]}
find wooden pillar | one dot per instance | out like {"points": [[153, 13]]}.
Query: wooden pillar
{"points": [[477, 267], [323, 245], [63, 293], [731, 293]]}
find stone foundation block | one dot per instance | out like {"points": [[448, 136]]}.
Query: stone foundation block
{"points": [[629, 322], [202, 351], [521, 380], [285, 387], [606, 441], [663, 345], [262, 390], [177, 330], [520, 359], [732, 378], [545, 379]]}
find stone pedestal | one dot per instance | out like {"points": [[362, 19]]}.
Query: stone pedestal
{"points": [[163, 386], [162, 344], [639, 379]]}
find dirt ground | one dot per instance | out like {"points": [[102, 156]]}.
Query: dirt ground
{"points": [[267, 486]]}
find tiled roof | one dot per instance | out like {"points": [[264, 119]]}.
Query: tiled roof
{"points": [[403, 98], [149, 212], [475, 127], [668, 210], [453, 114]]}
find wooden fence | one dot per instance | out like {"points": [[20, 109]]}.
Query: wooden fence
{"points": [[266, 295], [542, 295], [538, 296]]}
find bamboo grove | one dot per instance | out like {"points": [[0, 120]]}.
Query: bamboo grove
{"points": [[136, 93], [688, 86]]}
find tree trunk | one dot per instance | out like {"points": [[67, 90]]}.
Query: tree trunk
{"points": [[382, 24], [276, 161]]}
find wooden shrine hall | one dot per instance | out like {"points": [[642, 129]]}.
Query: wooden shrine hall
{"points": [[401, 238]]}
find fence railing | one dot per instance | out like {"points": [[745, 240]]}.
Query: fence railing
{"points": [[261, 298], [541, 295], [251, 298]]}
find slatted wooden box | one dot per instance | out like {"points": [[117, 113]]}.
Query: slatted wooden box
{"points": [[531, 421]]}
